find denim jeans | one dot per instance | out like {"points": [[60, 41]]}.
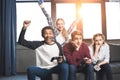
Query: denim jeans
{"points": [[105, 70], [45, 74], [88, 72]]}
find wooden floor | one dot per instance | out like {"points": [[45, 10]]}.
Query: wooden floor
{"points": [[16, 77]]}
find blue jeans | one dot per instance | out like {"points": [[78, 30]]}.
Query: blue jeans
{"points": [[88, 71], [105, 70], [45, 74]]}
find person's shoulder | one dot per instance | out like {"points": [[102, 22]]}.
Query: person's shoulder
{"points": [[84, 43], [38, 43], [68, 44], [57, 42], [106, 45]]}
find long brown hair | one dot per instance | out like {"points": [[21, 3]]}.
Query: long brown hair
{"points": [[93, 40]]}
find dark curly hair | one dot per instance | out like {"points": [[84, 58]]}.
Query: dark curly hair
{"points": [[45, 28]]}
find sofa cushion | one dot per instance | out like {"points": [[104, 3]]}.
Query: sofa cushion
{"points": [[79, 76], [114, 53], [115, 68]]}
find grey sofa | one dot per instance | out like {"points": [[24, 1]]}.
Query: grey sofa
{"points": [[24, 60], [115, 60], [114, 63]]}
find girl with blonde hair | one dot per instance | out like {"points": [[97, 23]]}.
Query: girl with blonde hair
{"points": [[61, 34], [100, 54]]}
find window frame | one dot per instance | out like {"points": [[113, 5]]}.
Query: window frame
{"points": [[103, 14]]}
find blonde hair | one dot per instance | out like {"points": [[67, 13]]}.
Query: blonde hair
{"points": [[64, 32]]}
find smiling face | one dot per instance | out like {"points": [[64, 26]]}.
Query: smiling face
{"points": [[48, 35], [60, 24]]}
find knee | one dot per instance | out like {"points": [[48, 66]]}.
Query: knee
{"points": [[64, 66], [90, 67], [72, 68], [30, 69], [107, 67]]}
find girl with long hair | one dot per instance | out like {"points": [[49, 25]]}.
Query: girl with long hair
{"points": [[100, 54], [61, 34]]}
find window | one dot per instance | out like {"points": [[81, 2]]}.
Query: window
{"points": [[91, 16], [67, 11], [113, 20], [31, 11]]}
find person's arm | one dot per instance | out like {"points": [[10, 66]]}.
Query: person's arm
{"points": [[97, 49], [23, 41], [70, 53], [88, 56], [94, 60], [61, 55], [107, 55], [49, 19], [72, 26]]}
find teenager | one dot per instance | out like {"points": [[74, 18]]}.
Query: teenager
{"points": [[100, 53], [49, 55], [61, 34], [78, 57]]}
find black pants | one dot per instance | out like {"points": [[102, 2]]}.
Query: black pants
{"points": [[105, 70]]}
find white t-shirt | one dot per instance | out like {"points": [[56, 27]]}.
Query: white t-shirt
{"points": [[60, 39], [44, 55]]}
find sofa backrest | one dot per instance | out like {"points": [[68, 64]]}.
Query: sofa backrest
{"points": [[114, 52]]}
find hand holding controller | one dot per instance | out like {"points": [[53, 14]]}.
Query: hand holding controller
{"points": [[59, 59]]}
